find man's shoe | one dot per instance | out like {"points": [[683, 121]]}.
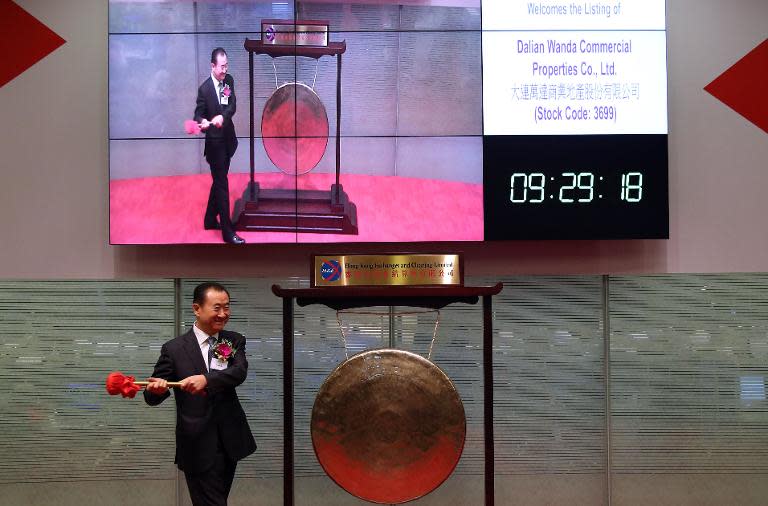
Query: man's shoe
{"points": [[211, 225], [235, 239]]}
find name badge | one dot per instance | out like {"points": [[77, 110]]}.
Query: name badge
{"points": [[218, 365], [224, 100]]}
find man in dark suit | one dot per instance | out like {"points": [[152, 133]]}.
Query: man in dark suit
{"points": [[216, 104], [212, 432]]}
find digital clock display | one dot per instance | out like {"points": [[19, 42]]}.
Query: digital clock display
{"points": [[570, 187], [575, 120], [576, 187]]}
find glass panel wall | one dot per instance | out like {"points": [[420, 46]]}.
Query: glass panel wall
{"points": [[65, 441]]}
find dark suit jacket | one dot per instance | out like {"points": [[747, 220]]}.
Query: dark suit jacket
{"points": [[208, 106], [201, 419]]}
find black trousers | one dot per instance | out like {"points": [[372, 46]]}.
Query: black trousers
{"points": [[218, 198], [211, 487]]}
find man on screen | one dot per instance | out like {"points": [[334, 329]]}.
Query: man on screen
{"points": [[212, 432], [216, 104]]}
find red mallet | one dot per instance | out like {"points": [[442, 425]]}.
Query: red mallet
{"points": [[119, 383], [192, 127]]}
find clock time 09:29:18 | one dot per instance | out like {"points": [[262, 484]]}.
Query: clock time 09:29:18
{"points": [[573, 188]]}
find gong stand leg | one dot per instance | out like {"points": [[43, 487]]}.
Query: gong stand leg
{"points": [[288, 401], [336, 197], [251, 184], [488, 399]]}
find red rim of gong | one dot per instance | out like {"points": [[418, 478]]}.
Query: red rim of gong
{"points": [[294, 128], [388, 426]]}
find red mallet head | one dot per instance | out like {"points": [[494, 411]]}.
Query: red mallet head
{"points": [[118, 383], [192, 127]]}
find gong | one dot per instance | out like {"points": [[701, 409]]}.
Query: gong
{"points": [[388, 426], [294, 128]]}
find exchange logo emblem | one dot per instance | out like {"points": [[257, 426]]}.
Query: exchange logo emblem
{"points": [[330, 270], [269, 34]]}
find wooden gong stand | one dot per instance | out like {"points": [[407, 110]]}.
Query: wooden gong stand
{"points": [[433, 297], [281, 210]]}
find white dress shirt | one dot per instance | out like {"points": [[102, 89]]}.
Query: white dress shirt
{"points": [[202, 340], [216, 87]]}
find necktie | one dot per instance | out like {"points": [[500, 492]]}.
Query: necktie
{"points": [[221, 90], [211, 344]]}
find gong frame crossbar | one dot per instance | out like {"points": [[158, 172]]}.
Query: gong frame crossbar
{"points": [[434, 297], [276, 210]]}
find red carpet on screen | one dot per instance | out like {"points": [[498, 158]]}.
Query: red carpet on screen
{"points": [[169, 209]]}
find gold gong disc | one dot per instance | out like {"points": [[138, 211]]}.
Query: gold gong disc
{"points": [[294, 128], [388, 426]]}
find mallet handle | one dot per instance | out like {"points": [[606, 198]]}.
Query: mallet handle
{"points": [[171, 384]]}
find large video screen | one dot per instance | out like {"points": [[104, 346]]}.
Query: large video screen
{"points": [[382, 121]]}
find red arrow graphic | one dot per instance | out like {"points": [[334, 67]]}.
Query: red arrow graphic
{"points": [[24, 42], [744, 86]]}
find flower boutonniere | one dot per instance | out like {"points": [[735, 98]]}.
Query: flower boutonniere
{"points": [[227, 91], [224, 350]]}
